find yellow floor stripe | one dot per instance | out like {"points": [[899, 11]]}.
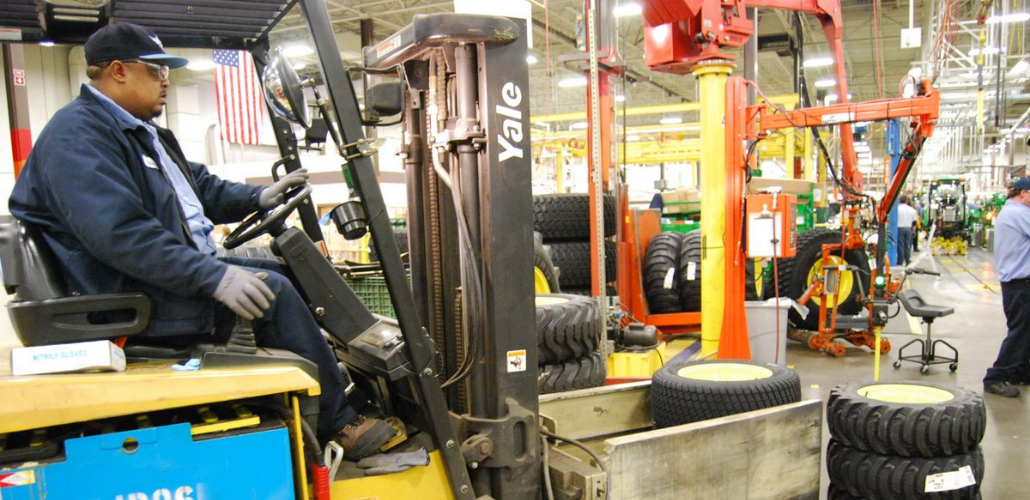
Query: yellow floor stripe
{"points": [[913, 326], [983, 287], [955, 268]]}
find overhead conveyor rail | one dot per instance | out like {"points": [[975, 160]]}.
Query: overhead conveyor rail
{"points": [[215, 24]]}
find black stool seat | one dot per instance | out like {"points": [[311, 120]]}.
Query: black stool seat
{"points": [[916, 306]]}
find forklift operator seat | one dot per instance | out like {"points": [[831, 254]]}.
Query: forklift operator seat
{"points": [[41, 310]]}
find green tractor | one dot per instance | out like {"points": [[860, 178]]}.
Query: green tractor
{"points": [[946, 212]]}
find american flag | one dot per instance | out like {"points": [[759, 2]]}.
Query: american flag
{"points": [[240, 106]]}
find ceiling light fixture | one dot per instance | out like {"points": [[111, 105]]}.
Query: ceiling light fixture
{"points": [[818, 62], [825, 82], [297, 51], [620, 98], [201, 65], [531, 59], [988, 51], [579, 125], [1018, 17], [627, 9], [575, 81], [671, 120]]}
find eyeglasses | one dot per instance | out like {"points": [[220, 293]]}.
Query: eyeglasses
{"points": [[160, 70]]}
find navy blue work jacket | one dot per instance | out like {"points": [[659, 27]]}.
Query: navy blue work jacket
{"points": [[115, 223]]}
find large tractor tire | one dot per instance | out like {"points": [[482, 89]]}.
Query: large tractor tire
{"points": [[886, 477], [573, 258], [545, 274], [906, 419], [566, 216], [690, 272], [567, 327], [661, 273], [753, 286], [580, 373], [692, 391], [797, 273]]}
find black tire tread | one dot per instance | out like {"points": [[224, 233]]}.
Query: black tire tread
{"points": [[566, 216], [580, 373], [676, 400], [573, 258], [908, 430], [566, 330], [884, 477], [543, 259], [690, 290], [662, 256]]}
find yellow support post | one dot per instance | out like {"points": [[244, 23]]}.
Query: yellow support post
{"points": [[559, 170], [711, 76]]}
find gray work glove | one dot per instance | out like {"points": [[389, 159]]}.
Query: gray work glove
{"points": [[274, 195], [378, 465], [244, 292]]}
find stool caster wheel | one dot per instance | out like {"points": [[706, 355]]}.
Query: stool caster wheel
{"points": [[953, 367], [897, 365], [924, 369]]}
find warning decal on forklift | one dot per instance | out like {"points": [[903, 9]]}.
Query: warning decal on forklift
{"points": [[20, 478], [517, 361], [387, 46]]}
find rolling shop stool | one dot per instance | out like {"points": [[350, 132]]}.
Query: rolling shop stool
{"points": [[916, 306]]}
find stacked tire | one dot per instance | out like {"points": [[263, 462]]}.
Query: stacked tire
{"points": [[905, 440], [563, 222], [672, 273], [568, 333], [692, 391]]}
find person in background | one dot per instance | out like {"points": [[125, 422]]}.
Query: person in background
{"points": [[124, 211], [1012, 260], [906, 221]]}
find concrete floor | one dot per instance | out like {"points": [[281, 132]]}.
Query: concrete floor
{"points": [[970, 284]]}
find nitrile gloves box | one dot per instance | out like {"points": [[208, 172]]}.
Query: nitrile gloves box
{"points": [[100, 355]]}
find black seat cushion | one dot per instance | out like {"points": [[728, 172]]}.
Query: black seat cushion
{"points": [[916, 306]]}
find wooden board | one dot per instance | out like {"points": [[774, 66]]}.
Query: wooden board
{"points": [[769, 454]]}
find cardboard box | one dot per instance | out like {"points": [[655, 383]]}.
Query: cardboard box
{"points": [[789, 186], [682, 195], [100, 355]]}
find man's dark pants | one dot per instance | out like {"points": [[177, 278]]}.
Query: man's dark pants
{"points": [[1013, 363], [288, 324], [904, 246]]}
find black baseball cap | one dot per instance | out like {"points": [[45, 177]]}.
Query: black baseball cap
{"points": [[1021, 183], [126, 41]]}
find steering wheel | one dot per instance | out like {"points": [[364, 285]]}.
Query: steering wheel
{"points": [[270, 220]]}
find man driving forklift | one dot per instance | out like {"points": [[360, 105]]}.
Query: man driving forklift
{"points": [[124, 211]]}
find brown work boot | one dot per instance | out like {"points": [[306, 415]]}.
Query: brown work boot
{"points": [[363, 436]]}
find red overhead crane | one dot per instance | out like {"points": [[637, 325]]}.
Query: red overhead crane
{"points": [[687, 36]]}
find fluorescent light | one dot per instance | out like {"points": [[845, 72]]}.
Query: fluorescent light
{"points": [[861, 144], [831, 97], [297, 50], [575, 81], [988, 51], [579, 125], [862, 149], [1022, 130], [299, 66], [627, 9], [531, 59], [825, 82], [620, 98], [818, 62], [670, 120], [47, 43], [632, 138], [1017, 17], [200, 65]]}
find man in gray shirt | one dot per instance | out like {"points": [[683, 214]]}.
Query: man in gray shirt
{"points": [[1012, 260]]}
